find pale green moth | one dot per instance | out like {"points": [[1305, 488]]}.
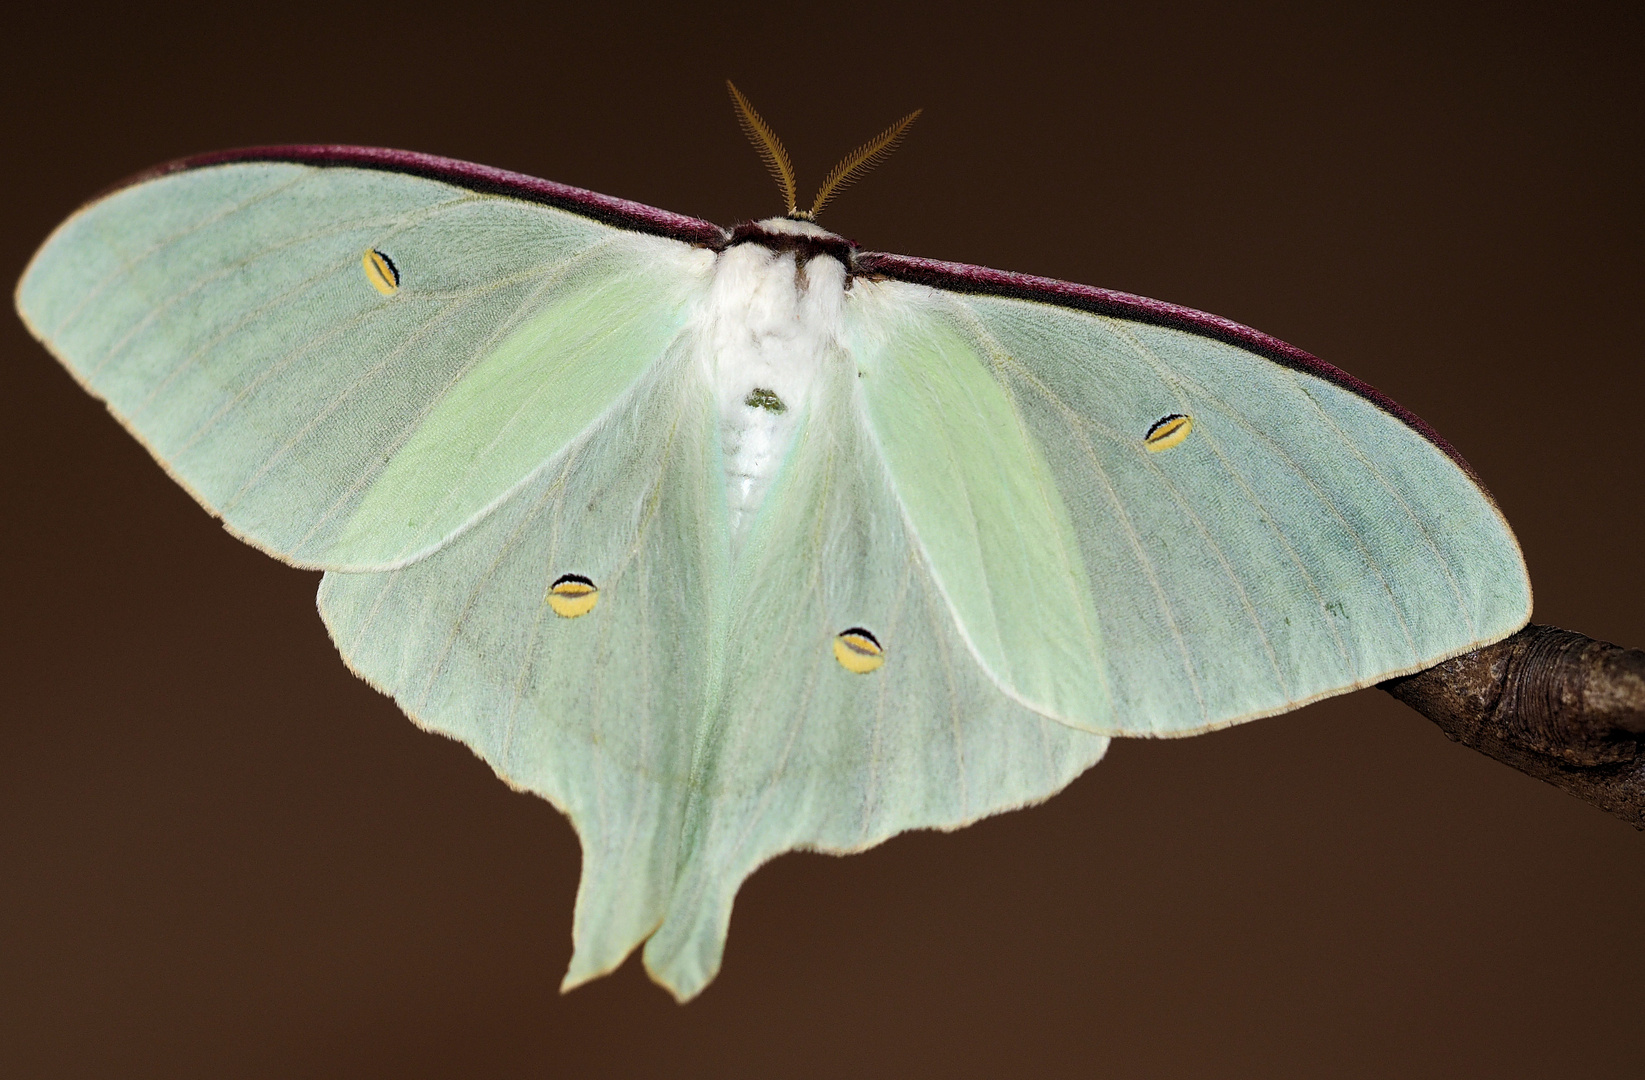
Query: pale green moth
{"points": [[734, 542]]}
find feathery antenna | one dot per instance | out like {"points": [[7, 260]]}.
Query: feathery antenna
{"points": [[861, 161], [770, 147]]}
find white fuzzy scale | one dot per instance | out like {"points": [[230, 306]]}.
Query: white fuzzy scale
{"points": [[768, 324]]}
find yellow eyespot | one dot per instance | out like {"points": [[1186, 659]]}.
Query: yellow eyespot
{"points": [[1167, 432], [381, 272], [858, 651], [572, 595]]}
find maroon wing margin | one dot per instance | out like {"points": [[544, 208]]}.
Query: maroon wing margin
{"points": [[959, 277], [955, 277], [482, 178]]}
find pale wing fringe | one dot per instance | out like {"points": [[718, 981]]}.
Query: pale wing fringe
{"points": [[770, 147], [861, 161]]}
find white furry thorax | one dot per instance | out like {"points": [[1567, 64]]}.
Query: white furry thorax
{"points": [[768, 326]]}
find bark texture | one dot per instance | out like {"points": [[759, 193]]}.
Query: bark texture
{"points": [[1554, 704]]}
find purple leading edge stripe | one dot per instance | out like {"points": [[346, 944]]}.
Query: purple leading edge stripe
{"points": [[483, 178], [956, 277], [959, 277]]}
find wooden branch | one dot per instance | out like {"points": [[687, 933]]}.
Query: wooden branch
{"points": [[1554, 704]]}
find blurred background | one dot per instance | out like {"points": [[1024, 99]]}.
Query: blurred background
{"points": [[222, 856]]}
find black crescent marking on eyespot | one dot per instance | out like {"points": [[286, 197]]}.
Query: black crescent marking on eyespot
{"points": [[864, 633], [392, 269], [1161, 422], [572, 579]]}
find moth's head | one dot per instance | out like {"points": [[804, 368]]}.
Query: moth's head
{"points": [[793, 226], [797, 234], [855, 165]]}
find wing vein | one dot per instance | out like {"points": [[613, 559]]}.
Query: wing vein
{"points": [[130, 264], [165, 303], [1169, 376], [411, 425], [1427, 537], [1079, 424]]}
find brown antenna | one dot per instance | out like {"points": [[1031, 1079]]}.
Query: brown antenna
{"points": [[770, 147], [860, 161]]}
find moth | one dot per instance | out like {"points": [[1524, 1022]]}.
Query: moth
{"points": [[734, 541]]}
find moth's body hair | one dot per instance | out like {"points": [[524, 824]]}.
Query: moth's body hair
{"points": [[791, 227], [766, 329]]}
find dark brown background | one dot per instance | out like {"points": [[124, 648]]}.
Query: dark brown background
{"points": [[221, 856]]}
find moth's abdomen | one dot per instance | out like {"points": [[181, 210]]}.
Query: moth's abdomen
{"points": [[767, 328], [753, 439]]}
